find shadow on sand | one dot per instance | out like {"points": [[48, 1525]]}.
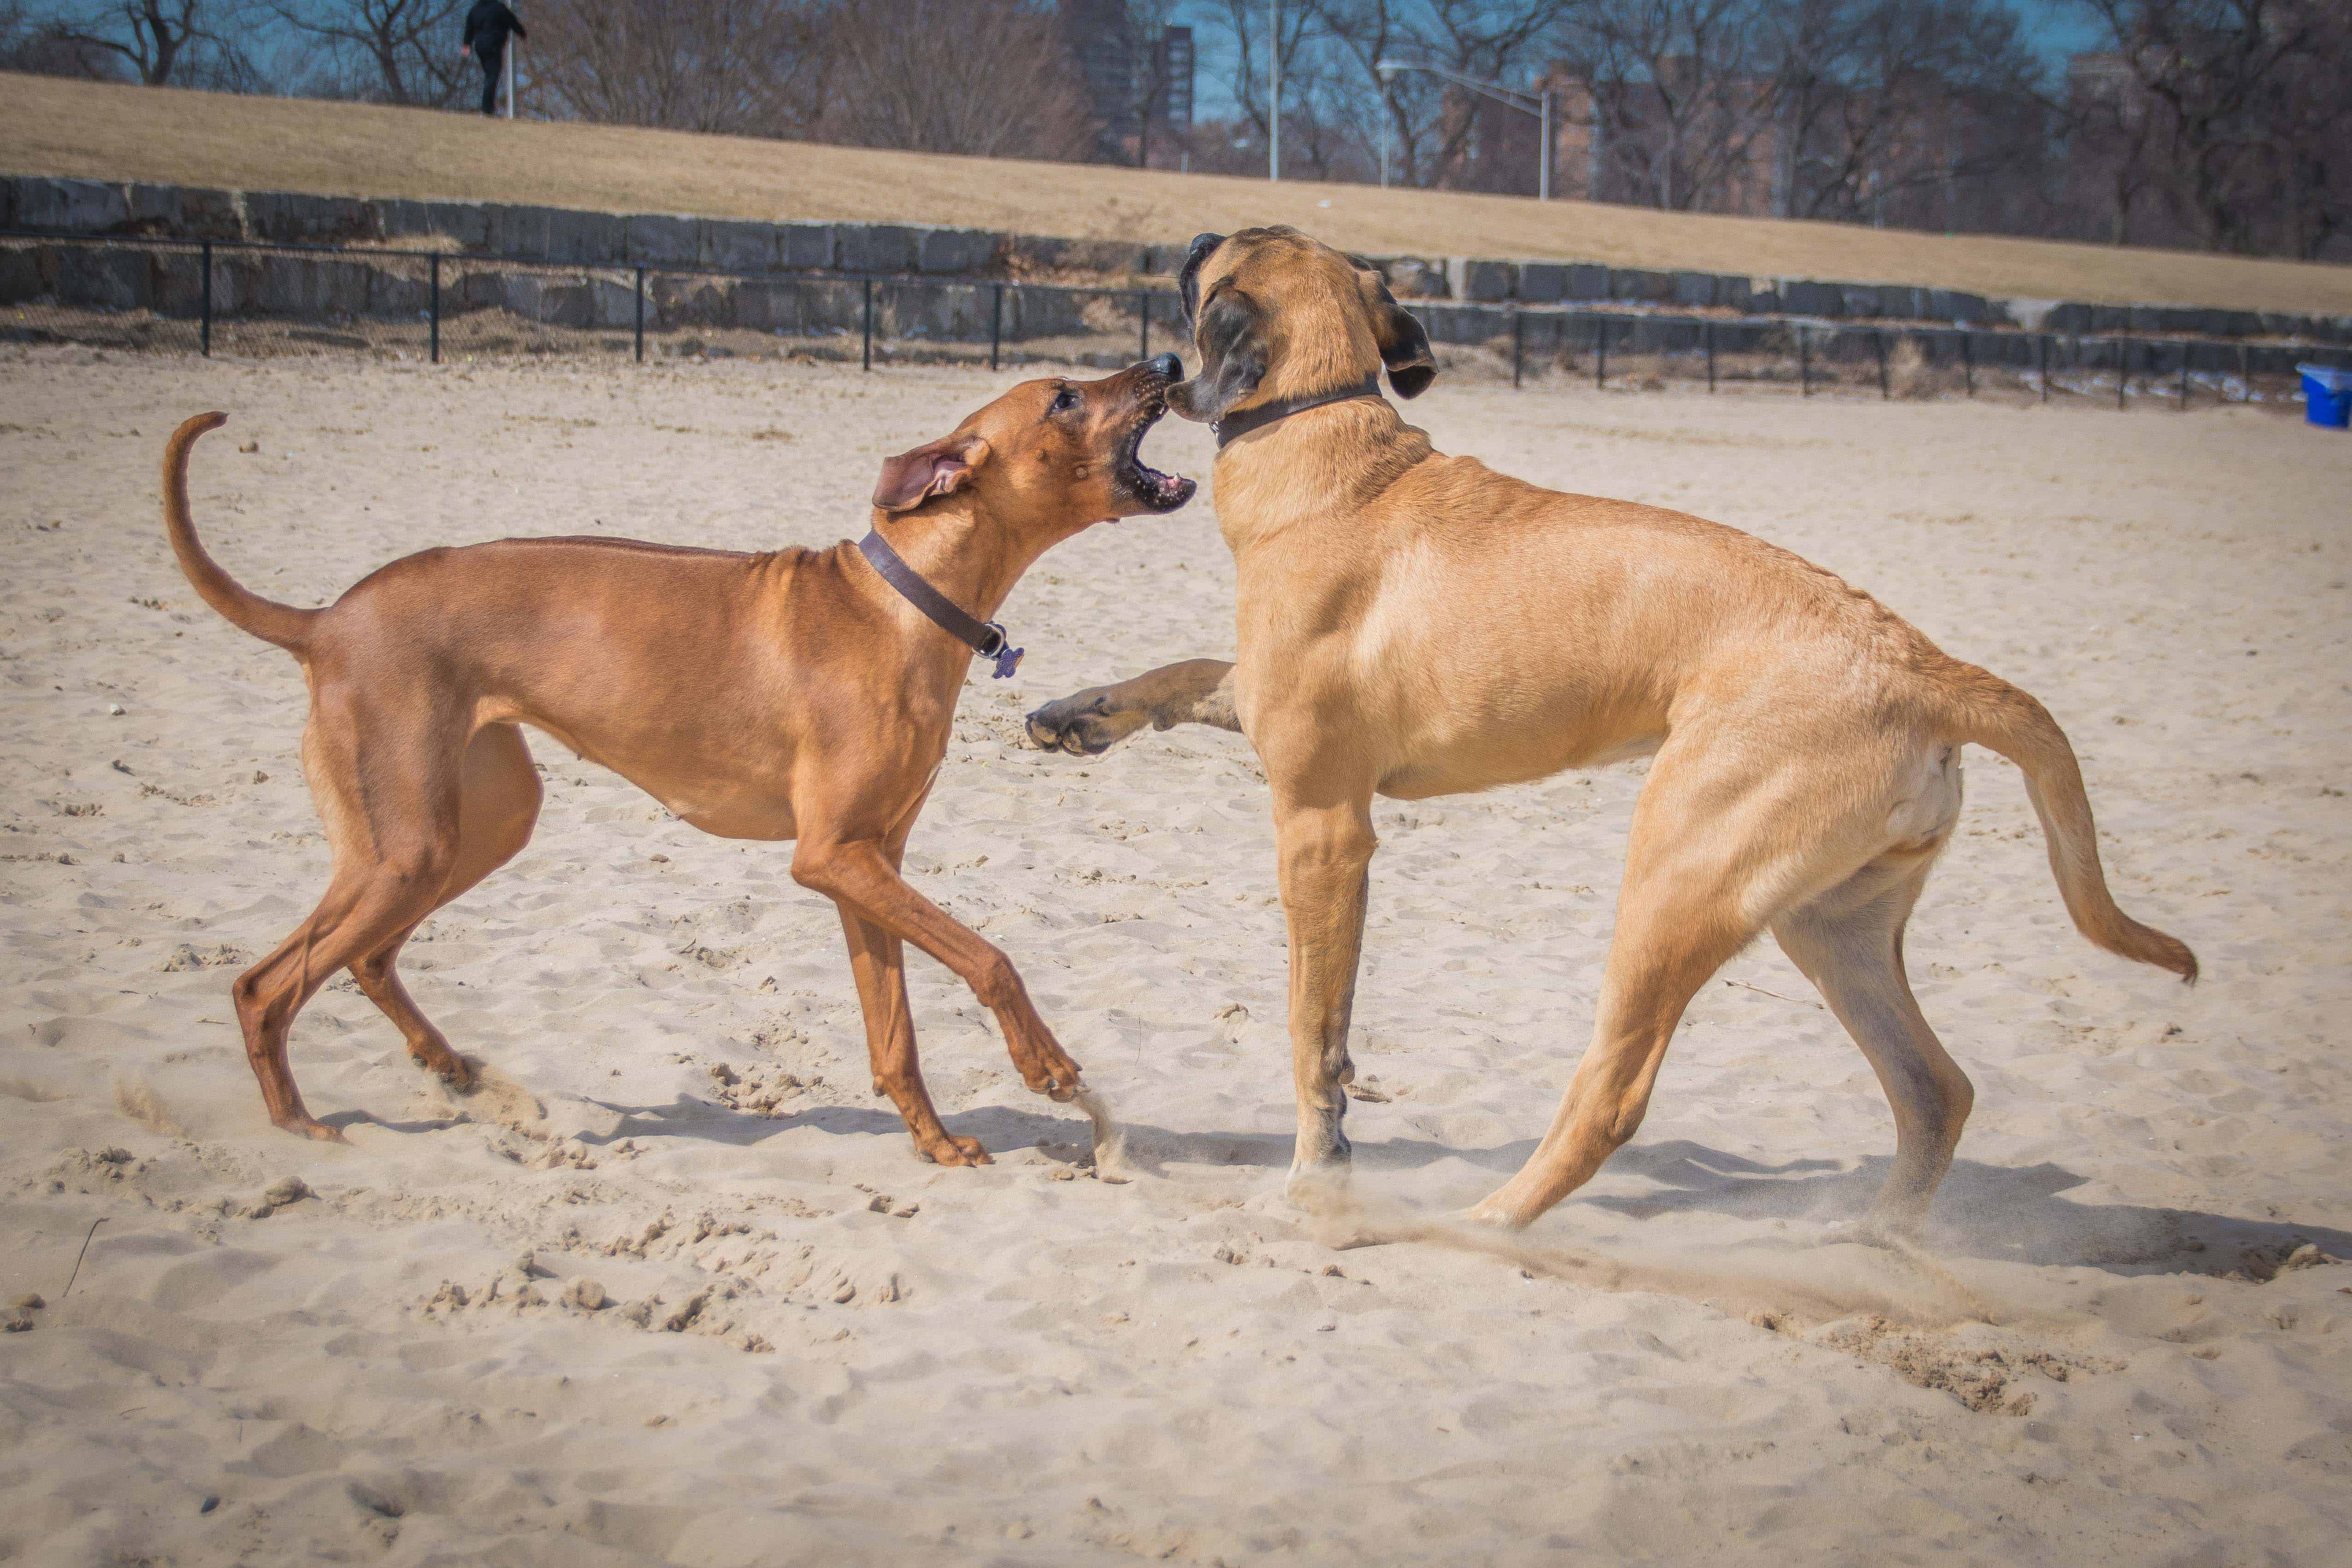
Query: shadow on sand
{"points": [[1994, 1212], [2013, 1215]]}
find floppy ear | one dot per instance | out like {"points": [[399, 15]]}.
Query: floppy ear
{"points": [[1404, 347], [1188, 277], [1232, 355], [936, 469]]}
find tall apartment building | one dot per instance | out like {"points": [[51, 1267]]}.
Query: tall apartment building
{"points": [[1139, 78]]}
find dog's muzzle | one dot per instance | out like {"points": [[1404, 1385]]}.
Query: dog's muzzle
{"points": [[1159, 492]]}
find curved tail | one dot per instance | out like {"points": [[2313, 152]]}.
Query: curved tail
{"points": [[270, 621], [1991, 713]]}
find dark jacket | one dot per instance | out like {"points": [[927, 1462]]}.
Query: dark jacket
{"points": [[487, 26]]}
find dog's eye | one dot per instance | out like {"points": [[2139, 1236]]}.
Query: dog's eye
{"points": [[1064, 401]]}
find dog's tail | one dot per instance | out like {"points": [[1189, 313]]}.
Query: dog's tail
{"points": [[1991, 713], [283, 625]]}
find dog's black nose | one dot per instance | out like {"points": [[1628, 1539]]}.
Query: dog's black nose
{"points": [[1169, 366]]}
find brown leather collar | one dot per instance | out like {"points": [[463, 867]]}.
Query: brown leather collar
{"points": [[985, 638], [1234, 426]]}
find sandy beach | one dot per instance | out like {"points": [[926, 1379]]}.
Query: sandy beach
{"points": [[674, 1288]]}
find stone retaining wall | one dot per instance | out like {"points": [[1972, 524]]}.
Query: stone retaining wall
{"points": [[354, 286], [594, 238]]}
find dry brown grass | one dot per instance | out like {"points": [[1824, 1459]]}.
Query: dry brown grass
{"points": [[99, 131]]}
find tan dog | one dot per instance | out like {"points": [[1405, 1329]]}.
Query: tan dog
{"points": [[1415, 625], [792, 695]]}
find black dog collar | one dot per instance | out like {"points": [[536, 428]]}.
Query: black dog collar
{"points": [[985, 638], [1234, 426]]}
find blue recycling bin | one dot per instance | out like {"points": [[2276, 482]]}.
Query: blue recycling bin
{"points": [[2327, 396]]}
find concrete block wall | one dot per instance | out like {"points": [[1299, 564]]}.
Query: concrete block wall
{"points": [[549, 234], [1468, 279], [594, 238]]}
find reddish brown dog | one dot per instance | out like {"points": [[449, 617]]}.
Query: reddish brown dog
{"points": [[791, 695]]}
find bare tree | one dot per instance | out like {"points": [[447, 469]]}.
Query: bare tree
{"points": [[1500, 43], [403, 45], [1399, 112], [1341, 109], [2313, 125], [734, 67], [35, 47], [2110, 141], [153, 37], [1249, 29], [1876, 99], [2219, 75], [1685, 91], [986, 77]]}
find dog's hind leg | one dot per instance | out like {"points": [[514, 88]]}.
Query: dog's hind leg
{"points": [[1668, 940], [364, 907], [1849, 942], [395, 842], [498, 808], [1711, 859], [1086, 723]]}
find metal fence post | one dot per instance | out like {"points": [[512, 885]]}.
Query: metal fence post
{"points": [[1518, 340], [641, 315], [1968, 358], [2184, 377], [866, 356], [208, 329], [1804, 363], [1144, 309], [2245, 377], [434, 265], [1708, 330], [995, 325], [1599, 352], [1878, 342]]}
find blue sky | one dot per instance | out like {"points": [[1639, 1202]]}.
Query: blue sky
{"points": [[2061, 29]]}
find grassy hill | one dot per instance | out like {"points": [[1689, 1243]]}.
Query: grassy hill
{"points": [[96, 130]]}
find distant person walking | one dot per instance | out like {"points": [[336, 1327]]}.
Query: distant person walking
{"points": [[488, 26]]}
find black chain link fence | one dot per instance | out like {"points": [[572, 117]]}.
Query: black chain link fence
{"points": [[255, 300]]}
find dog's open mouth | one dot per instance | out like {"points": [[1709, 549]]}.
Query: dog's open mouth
{"points": [[1156, 491]]}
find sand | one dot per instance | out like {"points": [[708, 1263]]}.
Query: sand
{"points": [[96, 130], [675, 1289]]}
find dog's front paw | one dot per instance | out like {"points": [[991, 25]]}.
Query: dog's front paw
{"points": [[445, 1064], [1084, 726], [310, 1127], [951, 1149]]}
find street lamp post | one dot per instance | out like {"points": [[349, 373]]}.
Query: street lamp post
{"points": [[1536, 104], [1273, 73], [508, 70]]}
